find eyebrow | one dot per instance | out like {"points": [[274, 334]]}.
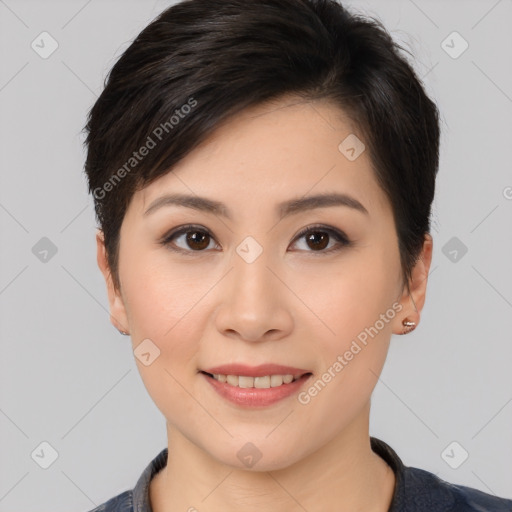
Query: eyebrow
{"points": [[285, 209]]}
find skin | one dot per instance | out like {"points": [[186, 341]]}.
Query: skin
{"points": [[294, 305]]}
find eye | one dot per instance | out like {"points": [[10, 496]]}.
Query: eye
{"points": [[197, 239], [317, 238]]}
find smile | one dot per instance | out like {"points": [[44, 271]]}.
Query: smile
{"points": [[260, 391], [263, 382]]}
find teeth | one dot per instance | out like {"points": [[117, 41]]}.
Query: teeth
{"points": [[276, 380], [264, 382], [232, 379], [245, 382], [287, 378]]}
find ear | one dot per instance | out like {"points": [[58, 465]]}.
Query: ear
{"points": [[412, 304], [118, 316]]}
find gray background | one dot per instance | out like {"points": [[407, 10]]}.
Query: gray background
{"points": [[67, 376]]}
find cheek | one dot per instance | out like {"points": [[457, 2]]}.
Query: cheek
{"points": [[164, 306], [158, 295], [348, 295], [353, 302]]}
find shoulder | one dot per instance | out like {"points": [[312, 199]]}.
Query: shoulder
{"points": [[426, 491], [421, 491], [139, 495], [121, 503]]}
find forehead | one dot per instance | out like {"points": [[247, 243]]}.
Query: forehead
{"points": [[272, 152]]}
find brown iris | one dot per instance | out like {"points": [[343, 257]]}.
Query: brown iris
{"points": [[319, 239], [199, 238]]}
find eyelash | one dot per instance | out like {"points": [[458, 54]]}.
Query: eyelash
{"points": [[338, 236]]}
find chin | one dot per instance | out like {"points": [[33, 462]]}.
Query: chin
{"points": [[258, 455]]}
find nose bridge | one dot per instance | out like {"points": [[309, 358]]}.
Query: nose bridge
{"points": [[251, 276]]}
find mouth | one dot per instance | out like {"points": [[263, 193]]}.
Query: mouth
{"points": [[255, 386], [258, 382]]}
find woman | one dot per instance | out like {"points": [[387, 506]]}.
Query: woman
{"points": [[263, 174]]}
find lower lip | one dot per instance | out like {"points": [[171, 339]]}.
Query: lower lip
{"points": [[256, 397]]}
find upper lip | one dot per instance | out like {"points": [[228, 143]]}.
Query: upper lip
{"points": [[256, 371]]}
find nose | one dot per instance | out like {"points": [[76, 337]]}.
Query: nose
{"points": [[254, 304]]}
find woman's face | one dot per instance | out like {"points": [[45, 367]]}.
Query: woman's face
{"points": [[241, 286]]}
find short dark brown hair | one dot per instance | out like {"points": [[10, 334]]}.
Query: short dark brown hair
{"points": [[202, 61]]}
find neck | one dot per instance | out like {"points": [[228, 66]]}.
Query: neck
{"points": [[345, 474]]}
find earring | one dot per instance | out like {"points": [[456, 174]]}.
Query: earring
{"points": [[408, 327], [123, 332]]}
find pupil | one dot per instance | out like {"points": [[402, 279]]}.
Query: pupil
{"points": [[198, 238], [324, 238]]}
